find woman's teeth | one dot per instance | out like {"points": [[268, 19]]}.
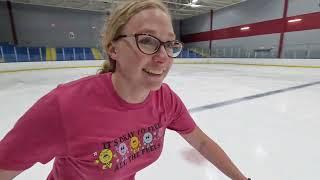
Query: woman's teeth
{"points": [[156, 72]]}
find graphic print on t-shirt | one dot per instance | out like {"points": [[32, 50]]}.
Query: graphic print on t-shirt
{"points": [[135, 144], [129, 147]]}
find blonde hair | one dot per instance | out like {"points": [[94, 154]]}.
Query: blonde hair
{"points": [[118, 19]]}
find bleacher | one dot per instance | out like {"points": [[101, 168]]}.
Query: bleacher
{"points": [[11, 53], [186, 53]]}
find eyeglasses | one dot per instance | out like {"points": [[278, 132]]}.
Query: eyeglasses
{"points": [[149, 44]]}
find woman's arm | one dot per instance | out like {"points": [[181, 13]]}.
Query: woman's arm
{"points": [[212, 152], [8, 175]]}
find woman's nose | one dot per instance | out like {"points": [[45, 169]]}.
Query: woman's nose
{"points": [[162, 53]]}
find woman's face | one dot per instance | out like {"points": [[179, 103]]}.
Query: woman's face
{"points": [[139, 69]]}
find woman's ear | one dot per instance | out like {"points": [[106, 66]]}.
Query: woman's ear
{"points": [[112, 51]]}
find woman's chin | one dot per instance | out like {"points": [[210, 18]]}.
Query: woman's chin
{"points": [[155, 87]]}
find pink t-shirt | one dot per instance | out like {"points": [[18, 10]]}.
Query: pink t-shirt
{"points": [[92, 133]]}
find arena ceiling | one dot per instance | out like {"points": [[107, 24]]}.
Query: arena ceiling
{"points": [[180, 9]]}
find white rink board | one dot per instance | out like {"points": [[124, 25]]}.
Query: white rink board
{"points": [[4, 67]]}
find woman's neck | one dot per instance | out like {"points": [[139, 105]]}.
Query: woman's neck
{"points": [[127, 90]]}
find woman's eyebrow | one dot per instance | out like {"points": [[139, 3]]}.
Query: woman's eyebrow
{"points": [[153, 32]]}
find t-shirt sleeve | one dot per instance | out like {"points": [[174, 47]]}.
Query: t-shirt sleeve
{"points": [[178, 115], [38, 136]]}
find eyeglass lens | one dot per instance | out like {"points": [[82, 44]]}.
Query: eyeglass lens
{"points": [[149, 45]]}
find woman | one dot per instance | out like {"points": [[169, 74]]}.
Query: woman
{"points": [[111, 125]]}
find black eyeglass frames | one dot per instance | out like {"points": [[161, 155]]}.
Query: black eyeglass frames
{"points": [[149, 44]]}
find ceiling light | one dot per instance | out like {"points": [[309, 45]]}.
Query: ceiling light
{"points": [[245, 28], [194, 5], [294, 20], [194, 1]]}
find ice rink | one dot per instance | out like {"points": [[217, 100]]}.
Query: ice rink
{"points": [[267, 119]]}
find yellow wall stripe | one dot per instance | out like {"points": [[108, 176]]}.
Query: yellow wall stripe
{"points": [[96, 53], [53, 54], [48, 54]]}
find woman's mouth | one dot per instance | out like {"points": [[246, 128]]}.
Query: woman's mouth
{"points": [[153, 72]]}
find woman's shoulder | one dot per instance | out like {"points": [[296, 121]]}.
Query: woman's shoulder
{"points": [[95, 80], [166, 92], [83, 81], [165, 87], [86, 85]]}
